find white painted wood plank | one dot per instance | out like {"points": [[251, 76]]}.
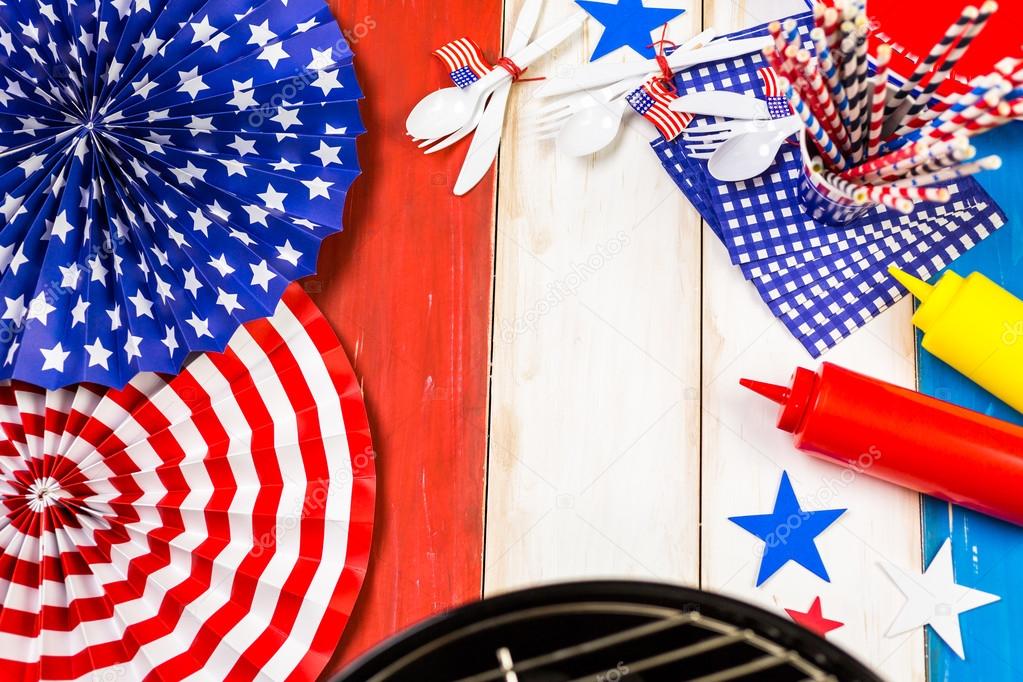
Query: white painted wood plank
{"points": [[744, 454], [594, 461]]}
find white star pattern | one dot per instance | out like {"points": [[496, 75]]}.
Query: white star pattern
{"points": [[54, 358], [152, 196]]}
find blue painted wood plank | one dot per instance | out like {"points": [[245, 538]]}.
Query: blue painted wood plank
{"points": [[988, 554]]}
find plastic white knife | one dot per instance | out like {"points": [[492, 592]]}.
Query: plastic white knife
{"points": [[722, 103], [595, 75], [487, 140]]}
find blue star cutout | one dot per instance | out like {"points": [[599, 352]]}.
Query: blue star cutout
{"points": [[788, 533], [627, 22]]}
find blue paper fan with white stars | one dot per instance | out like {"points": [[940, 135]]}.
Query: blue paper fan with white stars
{"points": [[167, 167]]}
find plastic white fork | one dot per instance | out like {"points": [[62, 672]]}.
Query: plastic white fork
{"points": [[549, 125]]}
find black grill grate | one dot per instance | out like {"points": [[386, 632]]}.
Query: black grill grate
{"points": [[608, 632]]}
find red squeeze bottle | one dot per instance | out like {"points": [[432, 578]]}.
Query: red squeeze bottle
{"points": [[904, 437]]}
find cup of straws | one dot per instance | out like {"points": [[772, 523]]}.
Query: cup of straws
{"points": [[869, 142]]}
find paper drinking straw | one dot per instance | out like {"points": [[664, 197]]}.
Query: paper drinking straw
{"points": [[849, 84], [791, 31], [967, 110], [818, 15], [993, 162], [827, 62], [928, 63], [881, 162], [886, 196], [979, 87], [849, 189], [909, 164], [862, 86], [985, 12], [819, 91], [978, 118], [936, 194], [878, 100], [820, 138], [999, 114], [831, 27]]}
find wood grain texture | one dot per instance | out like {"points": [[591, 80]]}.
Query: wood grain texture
{"points": [[986, 553], [594, 458], [744, 454], [407, 286]]}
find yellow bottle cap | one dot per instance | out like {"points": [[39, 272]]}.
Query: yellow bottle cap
{"points": [[919, 288], [934, 298]]}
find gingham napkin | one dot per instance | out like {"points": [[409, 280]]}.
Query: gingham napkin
{"points": [[823, 282]]}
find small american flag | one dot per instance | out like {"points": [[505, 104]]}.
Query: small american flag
{"points": [[464, 60], [777, 105], [651, 101]]}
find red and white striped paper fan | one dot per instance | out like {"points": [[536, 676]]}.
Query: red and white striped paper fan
{"points": [[214, 525]]}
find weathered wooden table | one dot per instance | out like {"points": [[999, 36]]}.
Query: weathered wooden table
{"points": [[551, 365]]}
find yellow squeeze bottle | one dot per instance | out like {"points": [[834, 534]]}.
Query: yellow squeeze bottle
{"points": [[975, 326]]}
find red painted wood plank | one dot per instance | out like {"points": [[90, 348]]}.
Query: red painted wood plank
{"points": [[407, 286]]}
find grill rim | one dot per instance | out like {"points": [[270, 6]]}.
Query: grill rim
{"points": [[640, 593]]}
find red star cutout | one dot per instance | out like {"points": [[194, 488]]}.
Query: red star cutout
{"points": [[814, 620]]}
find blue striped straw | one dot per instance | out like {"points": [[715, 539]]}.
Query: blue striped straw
{"points": [[981, 86], [827, 62], [824, 143]]}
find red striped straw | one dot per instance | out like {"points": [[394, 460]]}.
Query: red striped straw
{"points": [[993, 162], [968, 119], [831, 27], [776, 57], [879, 100], [886, 196], [936, 194], [818, 15], [827, 64], [849, 189], [819, 92], [881, 162], [936, 153]]}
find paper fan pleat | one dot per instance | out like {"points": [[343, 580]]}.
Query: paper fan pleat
{"points": [[167, 168], [216, 523]]}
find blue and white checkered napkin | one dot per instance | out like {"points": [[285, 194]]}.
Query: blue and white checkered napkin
{"points": [[823, 282]]}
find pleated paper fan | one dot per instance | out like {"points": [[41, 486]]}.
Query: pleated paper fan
{"points": [[215, 525], [167, 167]]}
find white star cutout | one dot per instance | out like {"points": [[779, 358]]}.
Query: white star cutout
{"points": [[53, 358], [40, 308], [78, 312], [131, 347], [318, 188], [98, 355], [327, 154], [261, 275], [143, 306], [935, 599], [273, 199], [229, 302], [201, 326], [170, 340], [221, 265], [288, 254]]}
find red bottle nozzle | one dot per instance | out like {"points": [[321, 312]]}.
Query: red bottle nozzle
{"points": [[778, 394], [793, 400]]}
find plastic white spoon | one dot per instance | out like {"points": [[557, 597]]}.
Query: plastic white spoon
{"points": [[747, 155]]}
